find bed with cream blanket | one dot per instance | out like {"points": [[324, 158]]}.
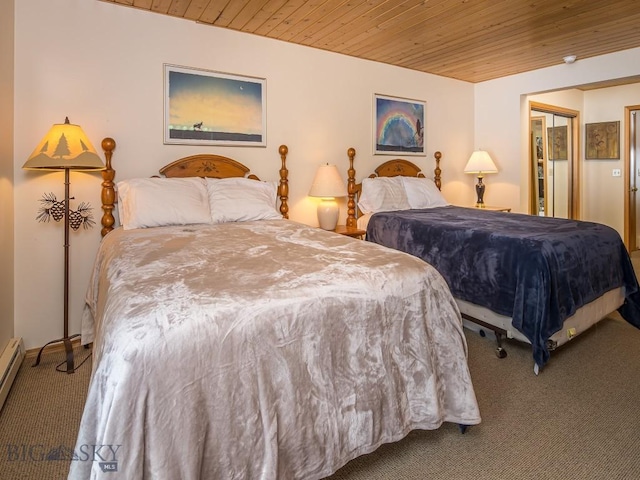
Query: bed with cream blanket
{"points": [[262, 349]]}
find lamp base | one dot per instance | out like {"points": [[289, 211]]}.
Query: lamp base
{"points": [[68, 348], [480, 192], [328, 213]]}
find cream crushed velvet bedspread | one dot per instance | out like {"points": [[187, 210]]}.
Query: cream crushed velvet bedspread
{"points": [[262, 350]]}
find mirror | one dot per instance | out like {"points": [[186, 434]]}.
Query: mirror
{"points": [[552, 151], [538, 156]]}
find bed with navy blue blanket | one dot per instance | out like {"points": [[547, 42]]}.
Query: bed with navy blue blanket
{"points": [[537, 270]]}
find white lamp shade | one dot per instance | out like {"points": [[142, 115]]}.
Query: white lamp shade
{"points": [[328, 183], [480, 162], [64, 146]]}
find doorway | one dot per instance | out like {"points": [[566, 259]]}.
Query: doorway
{"points": [[554, 150], [632, 177]]}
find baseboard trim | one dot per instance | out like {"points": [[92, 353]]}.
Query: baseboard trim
{"points": [[11, 358]]}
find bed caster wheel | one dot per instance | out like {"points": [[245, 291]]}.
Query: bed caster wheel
{"points": [[501, 352], [463, 428]]}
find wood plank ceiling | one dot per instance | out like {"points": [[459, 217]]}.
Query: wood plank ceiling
{"points": [[471, 40]]}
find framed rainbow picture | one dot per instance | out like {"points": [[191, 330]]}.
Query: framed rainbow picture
{"points": [[398, 126]]}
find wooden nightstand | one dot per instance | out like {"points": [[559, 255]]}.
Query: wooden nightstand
{"points": [[495, 209], [354, 232]]}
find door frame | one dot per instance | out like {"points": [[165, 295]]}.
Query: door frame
{"points": [[630, 226], [574, 169]]}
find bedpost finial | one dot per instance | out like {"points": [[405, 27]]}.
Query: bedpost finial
{"points": [[438, 172], [283, 150], [351, 152], [108, 144]]}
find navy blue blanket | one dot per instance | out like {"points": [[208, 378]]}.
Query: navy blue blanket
{"points": [[536, 270]]}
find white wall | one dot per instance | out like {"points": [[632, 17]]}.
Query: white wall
{"points": [[6, 171], [599, 204], [102, 65], [601, 194], [501, 118]]}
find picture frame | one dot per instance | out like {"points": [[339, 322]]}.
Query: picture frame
{"points": [[398, 126], [205, 107], [602, 141]]}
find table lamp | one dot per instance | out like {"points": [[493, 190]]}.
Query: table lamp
{"points": [[328, 184], [480, 163]]}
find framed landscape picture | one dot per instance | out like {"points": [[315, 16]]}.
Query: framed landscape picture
{"points": [[398, 126], [203, 107]]}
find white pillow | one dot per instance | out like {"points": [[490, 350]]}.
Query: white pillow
{"points": [[423, 193], [241, 199], [383, 194], [158, 202]]}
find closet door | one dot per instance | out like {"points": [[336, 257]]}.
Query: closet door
{"points": [[553, 134]]}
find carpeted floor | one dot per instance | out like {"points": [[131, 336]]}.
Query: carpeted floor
{"points": [[40, 418], [577, 420]]}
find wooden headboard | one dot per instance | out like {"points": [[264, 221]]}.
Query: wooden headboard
{"points": [[390, 168], [202, 165]]}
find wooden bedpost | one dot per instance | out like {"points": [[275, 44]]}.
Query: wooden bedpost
{"points": [[283, 189], [108, 189], [437, 179], [351, 190]]}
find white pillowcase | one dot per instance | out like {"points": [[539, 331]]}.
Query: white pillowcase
{"points": [[423, 193], [158, 202], [383, 194], [241, 199]]}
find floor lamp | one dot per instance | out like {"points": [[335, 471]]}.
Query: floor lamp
{"points": [[65, 147]]}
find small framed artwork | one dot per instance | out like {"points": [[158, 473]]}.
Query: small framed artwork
{"points": [[557, 141], [398, 126], [203, 107], [602, 141]]}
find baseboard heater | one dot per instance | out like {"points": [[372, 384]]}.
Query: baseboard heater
{"points": [[10, 362]]}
